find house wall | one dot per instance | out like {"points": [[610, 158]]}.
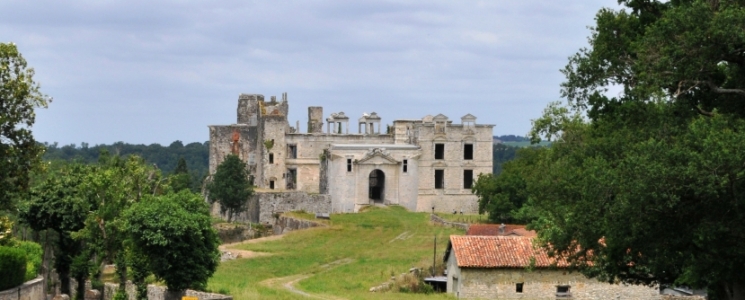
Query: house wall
{"points": [[540, 284]]}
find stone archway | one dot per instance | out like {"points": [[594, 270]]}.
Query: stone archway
{"points": [[376, 186]]}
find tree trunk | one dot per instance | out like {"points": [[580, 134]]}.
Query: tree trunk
{"points": [[733, 290]]}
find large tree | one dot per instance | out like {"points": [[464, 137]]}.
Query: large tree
{"points": [[19, 96], [173, 236], [643, 185], [230, 186]]}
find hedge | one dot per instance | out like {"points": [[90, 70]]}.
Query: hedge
{"points": [[12, 267], [34, 254]]}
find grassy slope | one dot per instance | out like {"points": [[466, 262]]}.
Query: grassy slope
{"points": [[369, 246]]}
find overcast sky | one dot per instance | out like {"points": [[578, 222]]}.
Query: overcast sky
{"points": [[147, 72]]}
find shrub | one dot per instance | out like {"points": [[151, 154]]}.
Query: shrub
{"points": [[12, 267], [34, 255]]}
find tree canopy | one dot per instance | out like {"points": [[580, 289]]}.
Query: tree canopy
{"points": [[19, 96], [642, 185], [230, 186], [174, 235]]}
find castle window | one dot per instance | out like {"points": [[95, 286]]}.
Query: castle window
{"points": [[349, 165], [439, 179], [519, 287], [291, 151], [468, 151], [406, 165], [467, 179], [439, 151], [291, 179], [271, 158], [271, 184]]}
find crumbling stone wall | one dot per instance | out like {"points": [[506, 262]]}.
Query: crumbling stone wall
{"points": [[262, 206], [29, 290], [155, 292], [285, 224]]}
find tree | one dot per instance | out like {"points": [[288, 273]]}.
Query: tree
{"points": [[57, 203], [180, 179], [643, 187], [174, 234], [19, 95], [230, 186]]}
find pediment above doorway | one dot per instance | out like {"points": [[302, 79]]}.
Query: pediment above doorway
{"points": [[377, 156]]}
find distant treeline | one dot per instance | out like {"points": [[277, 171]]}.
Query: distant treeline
{"points": [[165, 158], [511, 138], [196, 155]]}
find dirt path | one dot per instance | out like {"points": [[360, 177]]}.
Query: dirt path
{"points": [[247, 253], [289, 282]]}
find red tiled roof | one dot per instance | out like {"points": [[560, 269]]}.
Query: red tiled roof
{"points": [[473, 251], [493, 229]]}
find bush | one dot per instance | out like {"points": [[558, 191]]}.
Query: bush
{"points": [[34, 255], [12, 267]]}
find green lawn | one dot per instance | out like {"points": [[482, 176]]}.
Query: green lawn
{"points": [[343, 261]]}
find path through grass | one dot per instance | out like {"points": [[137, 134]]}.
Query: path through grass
{"points": [[343, 261]]}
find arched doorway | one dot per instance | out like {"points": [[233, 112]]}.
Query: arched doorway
{"points": [[377, 185]]}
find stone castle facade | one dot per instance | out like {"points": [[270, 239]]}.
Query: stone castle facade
{"points": [[421, 164]]}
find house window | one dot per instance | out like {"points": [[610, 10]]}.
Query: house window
{"points": [[349, 165], [439, 151], [519, 287], [292, 151], [468, 151], [562, 291], [271, 184], [467, 179], [439, 179], [406, 165], [271, 158]]}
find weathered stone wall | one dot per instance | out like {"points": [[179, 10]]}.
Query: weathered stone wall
{"points": [[29, 290], [315, 119], [262, 206], [541, 284], [286, 224], [155, 292], [233, 233], [454, 195], [440, 221]]}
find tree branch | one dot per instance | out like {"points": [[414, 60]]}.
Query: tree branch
{"points": [[719, 90]]}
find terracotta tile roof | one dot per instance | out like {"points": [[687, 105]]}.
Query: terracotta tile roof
{"points": [[472, 251], [493, 229]]}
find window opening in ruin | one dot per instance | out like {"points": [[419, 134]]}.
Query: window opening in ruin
{"points": [[467, 179], [468, 151], [377, 185], [562, 291], [519, 287], [291, 151], [439, 179], [271, 158], [291, 179], [271, 184], [349, 165], [439, 151], [406, 165]]}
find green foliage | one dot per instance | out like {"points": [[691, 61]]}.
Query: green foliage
{"points": [[19, 153], [647, 181], [230, 186], [165, 158], [503, 196], [33, 253], [12, 267], [175, 235], [180, 178]]}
